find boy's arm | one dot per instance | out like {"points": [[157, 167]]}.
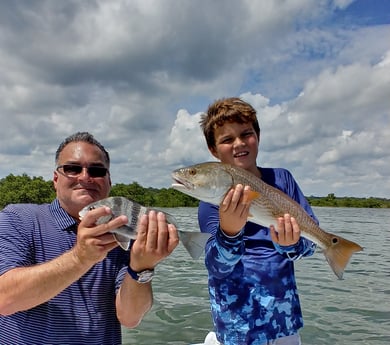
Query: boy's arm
{"points": [[222, 251], [302, 248]]}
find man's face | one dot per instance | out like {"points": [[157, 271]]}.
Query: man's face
{"points": [[75, 191]]}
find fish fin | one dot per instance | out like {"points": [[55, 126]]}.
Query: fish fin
{"points": [[194, 242], [253, 195], [171, 219], [123, 241], [339, 253], [251, 218]]}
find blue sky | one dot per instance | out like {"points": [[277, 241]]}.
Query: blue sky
{"points": [[137, 74]]}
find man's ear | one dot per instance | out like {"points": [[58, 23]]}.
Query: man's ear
{"points": [[55, 179]]}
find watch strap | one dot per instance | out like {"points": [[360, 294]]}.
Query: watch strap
{"points": [[143, 276]]}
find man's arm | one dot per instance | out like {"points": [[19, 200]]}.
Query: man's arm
{"points": [[156, 240], [23, 288]]}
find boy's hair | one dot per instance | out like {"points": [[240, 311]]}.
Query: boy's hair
{"points": [[224, 110], [86, 138]]}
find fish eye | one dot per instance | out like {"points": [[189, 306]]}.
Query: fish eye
{"points": [[192, 171]]}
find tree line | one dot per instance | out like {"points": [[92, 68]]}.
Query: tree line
{"points": [[26, 189], [332, 201]]}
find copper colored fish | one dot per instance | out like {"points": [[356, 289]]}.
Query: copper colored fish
{"points": [[211, 181]]}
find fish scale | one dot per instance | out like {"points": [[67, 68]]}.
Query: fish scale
{"points": [[210, 181]]}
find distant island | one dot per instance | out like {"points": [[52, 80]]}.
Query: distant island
{"points": [[26, 189]]}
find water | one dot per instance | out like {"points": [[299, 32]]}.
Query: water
{"points": [[355, 310]]}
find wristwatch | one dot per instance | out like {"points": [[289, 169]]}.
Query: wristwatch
{"points": [[142, 277]]}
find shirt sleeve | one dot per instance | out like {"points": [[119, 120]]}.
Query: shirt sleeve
{"points": [[304, 247], [15, 242], [222, 252]]}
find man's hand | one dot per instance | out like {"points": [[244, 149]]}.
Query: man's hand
{"points": [[156, 239], [95, 241]]}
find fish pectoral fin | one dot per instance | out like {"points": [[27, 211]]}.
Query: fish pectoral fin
{"points": [[194, 242], [253, 195], [123, 241]]}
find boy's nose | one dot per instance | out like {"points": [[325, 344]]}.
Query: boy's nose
{"points": [[239, 142]]}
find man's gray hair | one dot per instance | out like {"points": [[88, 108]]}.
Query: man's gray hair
{"points": [[82, 137]]}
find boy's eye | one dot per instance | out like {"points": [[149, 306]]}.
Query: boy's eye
{"points": [[248, 134], [226, 140]]}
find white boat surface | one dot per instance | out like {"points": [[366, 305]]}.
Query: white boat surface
{"points": [[211, 339]]}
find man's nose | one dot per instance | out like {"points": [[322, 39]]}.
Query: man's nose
{"points": [[84, 173]]}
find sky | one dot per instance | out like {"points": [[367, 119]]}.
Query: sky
{"points": [[138, 74]]}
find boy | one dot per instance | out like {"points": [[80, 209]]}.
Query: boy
{"points": [[253, 293]]}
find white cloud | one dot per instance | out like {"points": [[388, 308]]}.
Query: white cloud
{"points": [[138, 74], [186, 141]]}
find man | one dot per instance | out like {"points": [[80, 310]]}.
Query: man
{"points": [[65, 281]]}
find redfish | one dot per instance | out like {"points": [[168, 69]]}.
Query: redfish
{"points": [[211, 181]]}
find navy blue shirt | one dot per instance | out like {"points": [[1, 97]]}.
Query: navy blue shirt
{"points": [[83, 313], [253, 293]]}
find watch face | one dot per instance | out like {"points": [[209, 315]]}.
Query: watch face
{"points": [[145, 276]]}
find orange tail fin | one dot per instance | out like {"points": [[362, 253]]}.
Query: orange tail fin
{"points": [[339, 254]]}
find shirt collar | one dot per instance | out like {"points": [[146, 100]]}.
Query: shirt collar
{"points": [[62, 218]]}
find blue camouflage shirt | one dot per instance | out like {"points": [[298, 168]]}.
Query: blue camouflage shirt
{"points": [[252, 287]]}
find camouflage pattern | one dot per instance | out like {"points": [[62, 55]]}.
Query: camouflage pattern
{"points": [[253, 292]]}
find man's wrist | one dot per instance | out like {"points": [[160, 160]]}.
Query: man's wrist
{"points": [[142, 277]]}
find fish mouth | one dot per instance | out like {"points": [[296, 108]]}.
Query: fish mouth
{"points": [[179, 183]]}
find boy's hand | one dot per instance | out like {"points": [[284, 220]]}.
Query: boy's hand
{"points": [[287, 233], [234, 210]]}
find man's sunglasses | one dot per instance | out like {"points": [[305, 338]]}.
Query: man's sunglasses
{"points": [[74, 170]]}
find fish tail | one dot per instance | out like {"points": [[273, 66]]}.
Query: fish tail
{"points": [[194, 242], [339, 253]]}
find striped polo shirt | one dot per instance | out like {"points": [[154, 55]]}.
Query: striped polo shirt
{"points": [[83, 313]]}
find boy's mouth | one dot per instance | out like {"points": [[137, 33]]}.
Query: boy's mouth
{"points": [[241, 154]]}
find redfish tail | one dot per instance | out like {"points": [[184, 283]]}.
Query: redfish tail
{"points": [[339, 254]]}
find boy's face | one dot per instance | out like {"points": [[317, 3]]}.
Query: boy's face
{"points": [[237, 144]]}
